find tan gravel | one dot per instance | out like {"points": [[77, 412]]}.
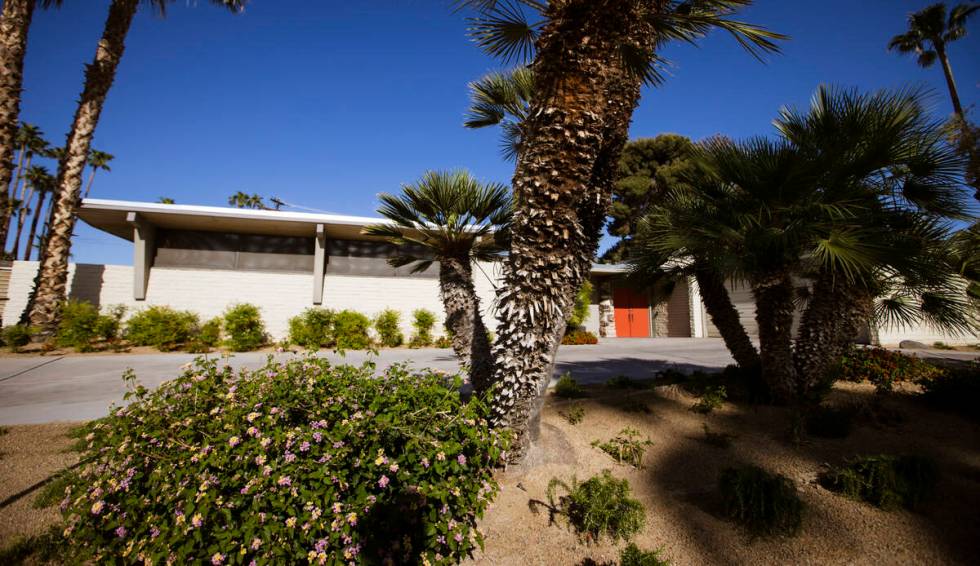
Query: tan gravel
{"points": [[677, 486]]}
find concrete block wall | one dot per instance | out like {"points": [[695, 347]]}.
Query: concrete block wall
{"points": [[280, 296]]}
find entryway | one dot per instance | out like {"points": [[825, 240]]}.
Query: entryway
{"points": [[632, 313]]}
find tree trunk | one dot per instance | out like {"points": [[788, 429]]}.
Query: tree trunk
{"points": [[21, 217], [725, 317], [34, 221], [832, 319], [463, 318], [576, 126], [15, 22], [49, 287], [774, 310], [950, 83], [88, 186]]}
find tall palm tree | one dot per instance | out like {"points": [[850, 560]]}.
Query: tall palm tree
{"points": [[929, 35], [453, 219], [36, 177], [51, 280], [589, 61], [244, 200], [166, 200], [43, 186], [15, 23], [97, 160], [30, 142]]}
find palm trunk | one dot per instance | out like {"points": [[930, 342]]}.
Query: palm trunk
{"points": [[576, 125], [21, 218], [88, 186], [463, 318], [49, 287], [950, 83], [832, 319], [15, 22], [774, 311], [6, 213], [725, 317], [34, 221]]}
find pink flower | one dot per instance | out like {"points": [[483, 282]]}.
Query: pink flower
{"points": [[217, 559], [425, 462], [461, 459], [304, 446], [234, 441], [458, 537], [285, 480], [393, 467], [383, 482], [121, 532]]}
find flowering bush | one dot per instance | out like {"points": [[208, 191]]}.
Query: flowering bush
{"points": [[296, 462], [579, 338], [883, 367]]}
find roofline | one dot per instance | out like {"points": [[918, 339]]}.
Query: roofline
{"points": [[227, 212]]}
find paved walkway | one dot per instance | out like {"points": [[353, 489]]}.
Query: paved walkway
{"points": [[72, 388]]}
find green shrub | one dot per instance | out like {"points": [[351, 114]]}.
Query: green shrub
{"points": [[712, 397], [885, 481], [313, 329], [765, 503], [942, 346], [580, 310], [388, 325], [573, 414], [625, 382], [883, 368], [81, 325], [602, 505], [422, 321], [626, 447], [579, 338], [955, 389], [244, 327], [161, 327], [568, 388], [54, 491], [351, 330], [210, 333], [220, 465], [17, 336], [443, 342], [633, 556], [830, 422]]}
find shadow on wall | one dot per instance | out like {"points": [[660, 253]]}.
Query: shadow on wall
{"points": [[86, 283]]}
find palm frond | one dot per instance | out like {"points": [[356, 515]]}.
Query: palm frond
{"points": [[503, 30]]}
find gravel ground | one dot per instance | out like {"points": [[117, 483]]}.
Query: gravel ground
{"points": [[677, 486]]}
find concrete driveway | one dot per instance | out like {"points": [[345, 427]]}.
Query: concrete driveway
{"points": [[74, 388]]}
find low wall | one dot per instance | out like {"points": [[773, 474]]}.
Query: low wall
{"points": [[279, 296]]}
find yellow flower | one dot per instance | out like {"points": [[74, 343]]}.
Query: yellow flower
{"points": [[291, 522]]}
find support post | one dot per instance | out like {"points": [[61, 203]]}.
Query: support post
{"points": [[319, 261], [144, 240]]}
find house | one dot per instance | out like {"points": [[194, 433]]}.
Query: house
{"points": [[205, 258]]}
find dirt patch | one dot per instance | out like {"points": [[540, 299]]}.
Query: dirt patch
{"points": [[29, 456], [677, 485]]}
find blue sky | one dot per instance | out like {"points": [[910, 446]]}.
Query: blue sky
{"points": [[325, 104]]}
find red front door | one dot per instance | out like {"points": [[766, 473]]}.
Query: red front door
{"points": [[632, 310]]}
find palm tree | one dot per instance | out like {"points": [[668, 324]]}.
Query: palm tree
{"points": [[244, 200], [36, 176], [589, 61], [43, 185], [15, 22], [165, 200], [30, 142], [929, 35], [453, 219], [51, 280], [502, 99], [97, 160]]}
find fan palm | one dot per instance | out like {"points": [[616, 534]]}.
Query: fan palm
{"points": [[43, 185], [97, 160], [30, 142], [15, 23], [589, 61], [502, 99], [929, 35], [244, 200], [455, 220], [36, 176], [50, 284]]}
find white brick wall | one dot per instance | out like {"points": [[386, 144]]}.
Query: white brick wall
{"points": [[280, 296]]}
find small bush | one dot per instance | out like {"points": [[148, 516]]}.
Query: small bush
{"points": [[210, 333], [313, 329], [580, 311], [624, 382], [443, 342], [81, 325], [422, 321], [830, 422], [956, 389], [17, 336], [765, 503], [351, 330], [602, 505], [713, 397], [573, 414], [942, 346], [717, 439], [230, 466], [885, 481], [244, 327], [579, 338], [161, 327], [54, 491], [568, 388], [633, 556], [626, 447], [883, 368], [387, 323]]}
